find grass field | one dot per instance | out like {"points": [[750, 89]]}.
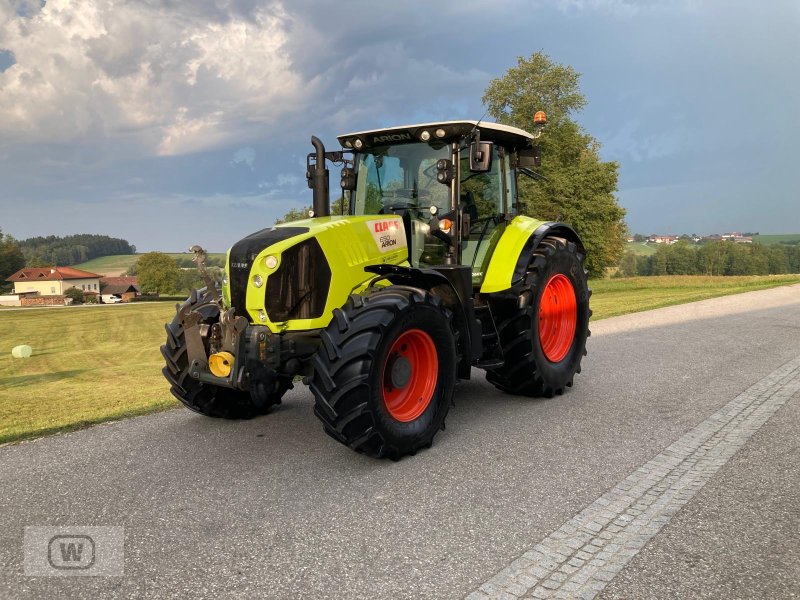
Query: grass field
{"points": [[90, 364], [777, 239], [98, 363], [119, 263], [641, 248], [613, 297]]}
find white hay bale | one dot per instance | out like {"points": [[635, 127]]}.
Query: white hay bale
{"points": [[21, 351]]}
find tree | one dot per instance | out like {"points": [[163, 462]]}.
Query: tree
{"points": [[712, 257], [628, 266], [294, 215], [683, 260], [338, 207], [75, 294], [579, 187], [11, 258], [37, 260], [158, 273], [72, 249]]}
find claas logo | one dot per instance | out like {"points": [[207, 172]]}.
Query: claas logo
{"points": [[385, 226]]}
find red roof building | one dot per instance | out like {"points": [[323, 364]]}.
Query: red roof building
{"points": [[124, 287], [53, 281], [51, 274]]}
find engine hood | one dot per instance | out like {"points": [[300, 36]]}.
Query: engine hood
{"points": [[313, 266]]}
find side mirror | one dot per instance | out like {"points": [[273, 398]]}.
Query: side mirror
{"points": [[529, 157], [480, 157]]}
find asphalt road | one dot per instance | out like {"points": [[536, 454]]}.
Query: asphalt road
{"points": [[274, 508]]}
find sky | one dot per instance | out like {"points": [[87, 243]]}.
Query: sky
{"points": [[173, 123]]}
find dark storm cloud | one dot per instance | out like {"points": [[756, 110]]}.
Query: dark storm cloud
{"points": [[696, 102]]}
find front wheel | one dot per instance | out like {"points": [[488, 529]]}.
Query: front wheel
{"points": [[544, 340], [385, 371]]}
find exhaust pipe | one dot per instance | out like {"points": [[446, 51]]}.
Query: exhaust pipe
{"points": [[322, 202]]}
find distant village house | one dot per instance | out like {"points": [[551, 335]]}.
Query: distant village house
{"points": [[119, 289], [663, 239], [46, 286]]}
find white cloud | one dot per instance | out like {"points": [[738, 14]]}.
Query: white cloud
{"points": [[170, 79], [631, 143], [244, 156], [626, 8]]}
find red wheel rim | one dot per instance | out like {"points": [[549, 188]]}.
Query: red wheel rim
{"points": [[409, 375], [558, 317]]}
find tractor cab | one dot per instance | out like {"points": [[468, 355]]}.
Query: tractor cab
{"points": [[453, 183]]}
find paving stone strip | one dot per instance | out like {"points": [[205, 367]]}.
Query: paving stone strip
{"points": [[583, 555]]}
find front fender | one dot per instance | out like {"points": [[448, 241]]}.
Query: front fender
{"points": [[514, 251]]}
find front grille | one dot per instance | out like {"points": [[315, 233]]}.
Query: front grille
{"points": [[242, 255], [299, 288]]}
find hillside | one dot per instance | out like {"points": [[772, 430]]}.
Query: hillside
{"points": [[641, 248], [119, 263], [792, 238]]}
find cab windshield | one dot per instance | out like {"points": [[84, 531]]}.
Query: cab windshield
{"points": [[391, 178], [401, 179]]}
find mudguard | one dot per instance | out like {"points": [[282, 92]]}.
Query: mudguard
{"points": [[515, 249]]}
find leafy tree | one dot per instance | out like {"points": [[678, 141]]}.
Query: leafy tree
{"points": [[579, 187], [778, 260], [11, 259], [158, 272], [37, 260], [712, 258], [75, 294], [190, 278], [683, 259], [793, 258], [293, 215], [71, 249], [628, 266], [338, 207]]}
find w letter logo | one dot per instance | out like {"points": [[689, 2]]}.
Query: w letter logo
{"points": [[71, 552]]}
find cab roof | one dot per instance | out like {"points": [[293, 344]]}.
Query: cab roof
{"points": [[504, 135]]}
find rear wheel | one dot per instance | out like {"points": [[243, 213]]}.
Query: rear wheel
{"points": [[385, 371], [544, 341], [212, 400]]}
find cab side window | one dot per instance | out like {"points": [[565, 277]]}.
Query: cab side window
{"points": [[482, 202]]}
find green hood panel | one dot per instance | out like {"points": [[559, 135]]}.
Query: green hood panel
{"points": [[348, 245]]}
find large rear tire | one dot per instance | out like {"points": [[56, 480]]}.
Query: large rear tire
{"points": [[211, 400], [544, 341], [385, 372]]}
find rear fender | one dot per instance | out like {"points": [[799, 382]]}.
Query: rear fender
{"points": [[514, 251]]}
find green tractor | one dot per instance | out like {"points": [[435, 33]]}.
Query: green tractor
{"points": [[380, 311]]}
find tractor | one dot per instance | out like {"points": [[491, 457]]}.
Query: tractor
{"points": [[429, 270]]}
